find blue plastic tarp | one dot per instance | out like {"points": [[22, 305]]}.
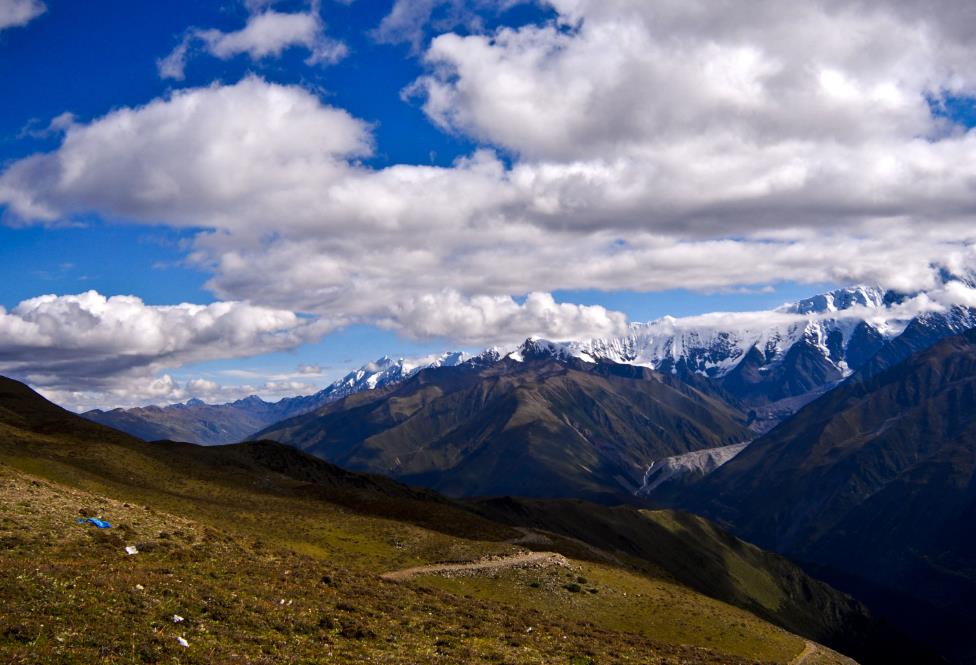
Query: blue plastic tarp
{"points": [[101, 524]]}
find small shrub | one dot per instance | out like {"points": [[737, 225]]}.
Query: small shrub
{"points": [[573, 587], [356, 632], [12, 542]]}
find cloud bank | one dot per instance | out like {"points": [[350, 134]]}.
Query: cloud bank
{"points": [[97, 343], [622, 145]]}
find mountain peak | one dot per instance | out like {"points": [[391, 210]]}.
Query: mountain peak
{"points": [[535, 348], [838, 300]]}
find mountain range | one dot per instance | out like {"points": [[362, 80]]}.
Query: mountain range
{"points": [[528, 425], [767, 364]]}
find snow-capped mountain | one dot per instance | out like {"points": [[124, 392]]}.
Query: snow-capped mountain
{"points": [[386, 371], [772, 362], [715, 344]]}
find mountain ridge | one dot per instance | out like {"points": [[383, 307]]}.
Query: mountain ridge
{"points": [[530, 427]]}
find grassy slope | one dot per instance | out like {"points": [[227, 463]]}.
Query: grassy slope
{"points": [[226, 534], [696, 554]]}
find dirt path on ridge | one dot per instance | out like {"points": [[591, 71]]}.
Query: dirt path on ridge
{"points": [[809, 649]]}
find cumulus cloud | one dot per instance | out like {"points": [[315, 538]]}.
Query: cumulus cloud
{"points": [[482, 319], [193, 157], [16, 13], [410, 20], [266, 34], [608, 75], [648, 146], [89, 341]]}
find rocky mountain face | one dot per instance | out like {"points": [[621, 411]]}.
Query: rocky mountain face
{"points": [[526, 425], [672, 474], [874, 486]]}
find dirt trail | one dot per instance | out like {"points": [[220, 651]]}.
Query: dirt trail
{"points": [[809, 650], [522, 560]]}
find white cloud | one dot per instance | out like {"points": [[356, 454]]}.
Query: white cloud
{"points": [[173, 66], [16, 13], [166, 389], [273, 172], [193, 157], [267, 34], [410, 20], [629, 72], [485, 320], [95, 342]]}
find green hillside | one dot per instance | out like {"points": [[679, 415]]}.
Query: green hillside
{"points": [[272, 556]]}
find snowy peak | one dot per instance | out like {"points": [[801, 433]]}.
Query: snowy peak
{"points": [[387, 371], [486, 358], [839, 300], [536, 348], [714, 344]]}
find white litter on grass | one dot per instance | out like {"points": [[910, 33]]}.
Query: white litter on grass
{"points": [[177, 618], [131, 549], [139, 587], [183, 643]]}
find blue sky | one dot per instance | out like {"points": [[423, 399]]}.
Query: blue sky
{"points": [[91, 61]]}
